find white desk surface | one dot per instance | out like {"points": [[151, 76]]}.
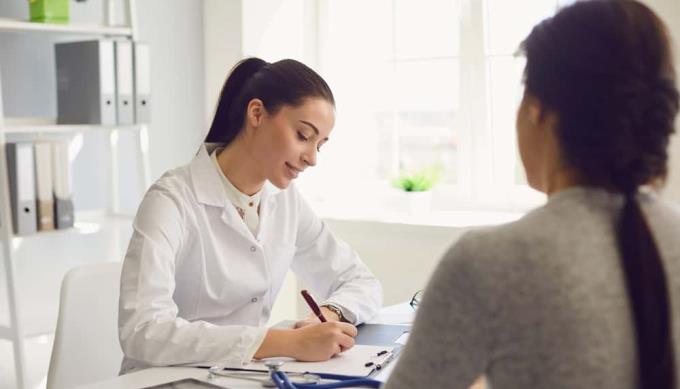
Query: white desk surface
{"points": [[395, 314]]}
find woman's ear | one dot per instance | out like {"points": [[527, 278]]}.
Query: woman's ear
{"points": [[535, 109], [254, 113], [539, 115]]}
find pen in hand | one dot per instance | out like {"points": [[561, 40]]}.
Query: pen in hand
{"points": [[312, 304]]}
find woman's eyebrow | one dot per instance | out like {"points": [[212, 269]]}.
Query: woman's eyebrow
{"points": [[316, 130]]}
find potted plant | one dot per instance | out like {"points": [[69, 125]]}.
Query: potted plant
{"points": [[417, 185]]}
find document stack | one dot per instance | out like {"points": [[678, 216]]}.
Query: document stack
{"points": [[86, 83], [103, 82], [61, 171], [44, 185], [40, 186], [22, 187]]}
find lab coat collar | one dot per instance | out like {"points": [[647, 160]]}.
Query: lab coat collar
{"points": [[208, 184]]}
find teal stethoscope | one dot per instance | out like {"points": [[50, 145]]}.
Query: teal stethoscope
{"points": [[281, 380]]}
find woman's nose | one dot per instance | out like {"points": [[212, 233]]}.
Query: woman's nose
{"points": [[309, 157]]}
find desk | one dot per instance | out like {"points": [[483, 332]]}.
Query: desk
{"points": [[395, 314]]}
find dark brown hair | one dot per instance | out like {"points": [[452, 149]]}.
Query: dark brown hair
{"points": [[605, 68], [286, 82]]}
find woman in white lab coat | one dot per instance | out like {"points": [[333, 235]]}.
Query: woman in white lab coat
{"points": [[213, 239]]}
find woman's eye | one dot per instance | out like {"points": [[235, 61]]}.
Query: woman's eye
{"points": [[301, 136]]}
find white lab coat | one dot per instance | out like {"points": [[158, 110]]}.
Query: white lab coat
{"points": [[198, 287]]}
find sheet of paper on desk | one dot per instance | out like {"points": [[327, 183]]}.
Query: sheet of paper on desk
{"points": [[402, 339], [351, 362]]}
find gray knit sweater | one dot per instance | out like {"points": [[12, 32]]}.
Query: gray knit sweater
{"points": [[538, 303]]}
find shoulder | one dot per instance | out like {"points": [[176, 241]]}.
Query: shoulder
{"points": [[167, 198], [661, 209], [174, 184], [663, 217], [492, 252]]}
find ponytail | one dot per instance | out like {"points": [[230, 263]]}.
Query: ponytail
{"points": [[648, 294], [231, 107]]}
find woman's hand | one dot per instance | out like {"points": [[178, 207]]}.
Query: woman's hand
{"points": [[313, 342], [312, 319], [321, 341], [480, 383]]}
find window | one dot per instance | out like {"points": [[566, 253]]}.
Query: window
{"points": [[428, 83], [504, 28]]}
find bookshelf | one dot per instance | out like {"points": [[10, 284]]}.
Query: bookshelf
{"points": [[15, 329]]}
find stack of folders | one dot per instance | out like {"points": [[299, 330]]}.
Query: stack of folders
{"points": [[103, 82], [40, 186]]}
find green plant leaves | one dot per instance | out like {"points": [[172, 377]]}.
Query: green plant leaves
{"points": [[418, 181]]}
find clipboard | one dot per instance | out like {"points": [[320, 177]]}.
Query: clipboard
{"points": [[380, 334], [368, 334]]}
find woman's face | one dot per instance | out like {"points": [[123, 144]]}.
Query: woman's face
{"points": [[287, 142]]}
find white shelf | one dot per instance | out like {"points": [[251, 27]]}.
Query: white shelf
{"points": [[66, 128], [48, 126], [85, 224], [24, 26]]}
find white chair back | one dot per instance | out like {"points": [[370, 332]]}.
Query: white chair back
{"points": [[86, 347]]}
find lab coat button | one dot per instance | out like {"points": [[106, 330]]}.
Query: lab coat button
{"points": [[252, 248], [253, 300]]}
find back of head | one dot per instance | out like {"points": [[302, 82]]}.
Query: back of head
{"points": [[285, 82], [605, 68]]}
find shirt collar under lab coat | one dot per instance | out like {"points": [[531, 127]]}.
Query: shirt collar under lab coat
{"points": [[208, 184]]}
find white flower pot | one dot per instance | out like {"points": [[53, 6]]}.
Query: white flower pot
{"points": [[419, 203]]}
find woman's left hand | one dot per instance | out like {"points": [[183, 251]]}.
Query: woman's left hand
{"points": [[312, 319]]}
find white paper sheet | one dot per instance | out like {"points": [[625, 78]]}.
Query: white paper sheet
{"points": [[402, 339], [351, 362]]}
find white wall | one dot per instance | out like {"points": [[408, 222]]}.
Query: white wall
{"points": [[174, 30], [222, 47], [669, 11], [402, 256], [273, 30]]}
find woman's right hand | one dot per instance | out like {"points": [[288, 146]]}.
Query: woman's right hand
{"points": [[313, 342], [321, 341]]}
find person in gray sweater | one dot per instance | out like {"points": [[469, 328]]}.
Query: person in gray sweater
{"points": [[583, 292]]}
